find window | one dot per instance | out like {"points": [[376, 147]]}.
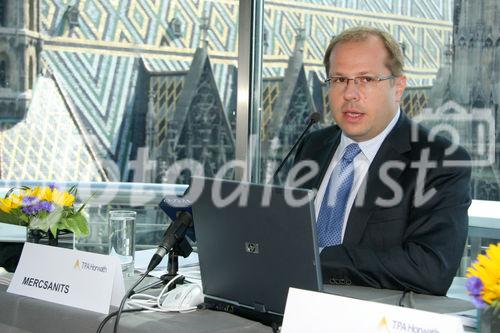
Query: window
{"points": [[121, 78], [4, 70], [185, 82], [162, 75], [31, 74], [3, 13], [33, 15], [73, 16], [442, 79], [451, 65], [176, 27]]}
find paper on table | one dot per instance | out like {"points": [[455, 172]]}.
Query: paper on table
{"points": [[468, 318], [192, 274], [5, 276], [12, 233], [189, 267], [143, 257]]}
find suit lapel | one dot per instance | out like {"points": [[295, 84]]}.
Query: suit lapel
{"points": [[322, 154], [393, 148]]}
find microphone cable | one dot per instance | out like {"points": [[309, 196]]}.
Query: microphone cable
{"points": [[313, 118], [124, 299], [122, 304], [111, 315], [143, 305], [155, 303], [184, 219]]}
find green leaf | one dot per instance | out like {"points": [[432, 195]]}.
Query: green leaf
{"points": [[66, 223], [12, 218], [37, 223], [53, 230], [82, 224], [15, 188], [73, 190], [85, 203], [496, 307], [54, 217], [69, 224]]}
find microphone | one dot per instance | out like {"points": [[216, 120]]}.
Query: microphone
{"points": [[313, 118], [172, 205], [175, 233]]}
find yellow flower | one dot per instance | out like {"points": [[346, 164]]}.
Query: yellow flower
{"points": [[487, 268], [5, 205], [45, 194], [17, 200], [62, 198], [31, 192], [12, 202]]}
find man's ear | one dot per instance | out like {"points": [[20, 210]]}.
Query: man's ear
{"points": [[400, 87]]}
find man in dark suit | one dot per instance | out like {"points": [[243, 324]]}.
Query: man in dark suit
{"points": [[392, 200]]}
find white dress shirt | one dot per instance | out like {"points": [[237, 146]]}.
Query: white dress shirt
{"points": [[361, 162]]}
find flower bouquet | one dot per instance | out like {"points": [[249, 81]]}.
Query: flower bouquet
{"points": [[46, 210], [483, 285]]}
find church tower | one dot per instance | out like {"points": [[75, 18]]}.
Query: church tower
{"points": [[20, 47], [476, 65], [473, 85]]}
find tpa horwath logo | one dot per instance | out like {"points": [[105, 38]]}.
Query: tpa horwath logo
{"points": [[86, 266]]}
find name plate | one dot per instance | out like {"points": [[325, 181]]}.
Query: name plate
{"points": [[80, 279], [308, 311]]}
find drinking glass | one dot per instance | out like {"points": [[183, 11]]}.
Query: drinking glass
{"points": [[121, 236]]}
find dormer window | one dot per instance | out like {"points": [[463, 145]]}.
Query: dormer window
{"points": [[73, 17], [176, 27]]}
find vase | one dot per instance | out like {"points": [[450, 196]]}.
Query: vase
{"points": [[63, 238], [489, 320]]}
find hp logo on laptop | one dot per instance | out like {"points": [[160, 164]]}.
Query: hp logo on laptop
{"points": [[252, 247]]}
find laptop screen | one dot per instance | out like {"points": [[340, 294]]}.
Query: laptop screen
{"points": [[254, 242]]}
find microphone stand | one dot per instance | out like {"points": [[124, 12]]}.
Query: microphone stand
{"points": [[182, 248], [313, 118]]}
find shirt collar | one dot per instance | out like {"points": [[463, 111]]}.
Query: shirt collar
{"points": [[369, 148]]}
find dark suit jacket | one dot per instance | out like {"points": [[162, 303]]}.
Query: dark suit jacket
{"points": [[411, 245]]}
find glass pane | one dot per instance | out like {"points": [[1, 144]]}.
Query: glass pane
{"points": [[451, 62], [126, 89], [122, 91], [452, 57]]}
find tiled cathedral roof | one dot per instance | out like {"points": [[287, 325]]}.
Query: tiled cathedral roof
{"points": [[48, 144]]}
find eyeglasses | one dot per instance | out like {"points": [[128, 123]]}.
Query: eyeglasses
{"points": [[362, 81]]}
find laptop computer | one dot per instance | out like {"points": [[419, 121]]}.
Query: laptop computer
{"points": [[253, 248]]}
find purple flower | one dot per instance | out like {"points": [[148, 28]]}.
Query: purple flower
{"points": [[474, 285], [28, 210], [32, 206], [28, 205], [28, 201], [478, 302], [52, 186], [45, 205]]}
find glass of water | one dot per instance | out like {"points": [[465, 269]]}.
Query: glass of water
{"points": [[121, 236]]}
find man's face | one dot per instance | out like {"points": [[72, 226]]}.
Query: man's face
{"points": [[363, 111]]}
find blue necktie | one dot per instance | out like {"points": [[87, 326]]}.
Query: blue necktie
{"points": [[332, 210]]}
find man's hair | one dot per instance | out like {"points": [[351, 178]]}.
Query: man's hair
{"points": [[395, 59]]}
